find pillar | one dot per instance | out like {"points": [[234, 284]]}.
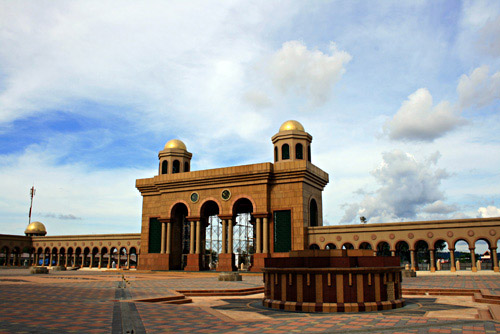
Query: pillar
{"points": [[412, 260], [473, 259], [393, 253], [58, 255], [258, 228], [452, 260], [265, 235], [128, 261], [74, 259], [109, 261], [198, 237], [36, 260], [230, 236], [65, 259], [494, 258], [119, 259], [43, 259], [162, 249], [224, 236], [50, 260], [191, 239], [433, 260], [169, 238]]}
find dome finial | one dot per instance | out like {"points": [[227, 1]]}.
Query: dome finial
{"points": [[291, 125], [176, 143]]}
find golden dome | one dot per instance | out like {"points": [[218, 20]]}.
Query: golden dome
{"points": [[176, 143], [36, 228], [291, 125]]}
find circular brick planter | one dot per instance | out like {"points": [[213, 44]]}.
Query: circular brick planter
{"points": [[333, 281]]}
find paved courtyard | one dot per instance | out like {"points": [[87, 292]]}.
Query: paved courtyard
{"points": [[96, 302]]}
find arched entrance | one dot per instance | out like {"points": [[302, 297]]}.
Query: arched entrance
{"points": [[180, 237], [211, 234], [244, 233]]}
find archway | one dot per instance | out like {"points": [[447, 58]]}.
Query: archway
{"points": [[70, 257], [313, 247], [4, 261], [211, 233], [347, 245], [313, 213], [243, 233], [133, 257], [104, 257], [180, 237], [330, 246], [422, 255], [93, 261], [483, 256], [403, 251], [365, 245], [462, 255], [442, 255], [383, 249]]}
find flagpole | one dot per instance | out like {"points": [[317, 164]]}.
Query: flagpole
{"points": [[32, 194]]}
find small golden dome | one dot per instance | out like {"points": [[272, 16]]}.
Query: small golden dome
{"points": [[291, 125], [36, 228], [176, 143]]}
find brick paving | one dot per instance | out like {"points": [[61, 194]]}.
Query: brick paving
{"points": [[89, 302]]}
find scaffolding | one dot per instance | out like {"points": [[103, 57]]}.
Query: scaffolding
{"points": [[243, 240]]}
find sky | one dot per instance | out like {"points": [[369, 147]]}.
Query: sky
{"points": [[402, 99]]}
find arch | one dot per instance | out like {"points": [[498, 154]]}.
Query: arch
{"points": [[383, 249], [164, 167], [422, 255], [309, 153], [180, 235], [133, 257], [186, 166], [211, 232], [313, 213], [176, 167], [462, 253], [275, 153], [442, 255], [347, 245], [330, 246], [403, 251], [171, 209], [299, 151], [285, 152], [314, 247], [482, 250], [210, 206], [365, 245], [243, 231], [241, 197]]}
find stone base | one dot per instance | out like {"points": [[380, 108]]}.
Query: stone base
{"points": [[333, 307], [193, 263], [39, 270], [58, 268], [230, 277], [408, 273], [258, 262], [226, 263], [155, 261]]}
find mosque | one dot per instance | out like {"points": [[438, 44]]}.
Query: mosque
{"points": [[233, 218]]}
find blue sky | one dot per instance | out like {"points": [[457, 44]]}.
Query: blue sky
{"points": [[401, 98]]}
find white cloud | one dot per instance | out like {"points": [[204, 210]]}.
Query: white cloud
{"points": [[488, 211], [70, 198], [479, 89], [418, 119], [439, 207], [312, 74], [489, 37], [407, 187]]}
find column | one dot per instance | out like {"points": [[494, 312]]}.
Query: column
{"points": [[66, 260], [50, 260], [119, 259], [433, 260], [198, 237], [91, 260], [43, 259], [258, 242], [58, 259], [7, 259], [191, 239], [31, 257], [128, 261], [412, 260], [473, 259], [393, 253], [100, 261], [169, 237], [452, 260], [224, 236], [230, 236], [265, 236], [162, 238], [36, 260], [83, 261], [494, 258], [109, 261], [74, 260]]}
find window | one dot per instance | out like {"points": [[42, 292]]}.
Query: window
{"points": [[313, 213], [309, 153], [275, 153], [164, 167], [154, 236], [186, 166], [285, 152], [299, 154], [176, 167]]}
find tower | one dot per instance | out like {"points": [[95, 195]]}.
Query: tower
{"points": [[291, 143], [174, 158]]}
